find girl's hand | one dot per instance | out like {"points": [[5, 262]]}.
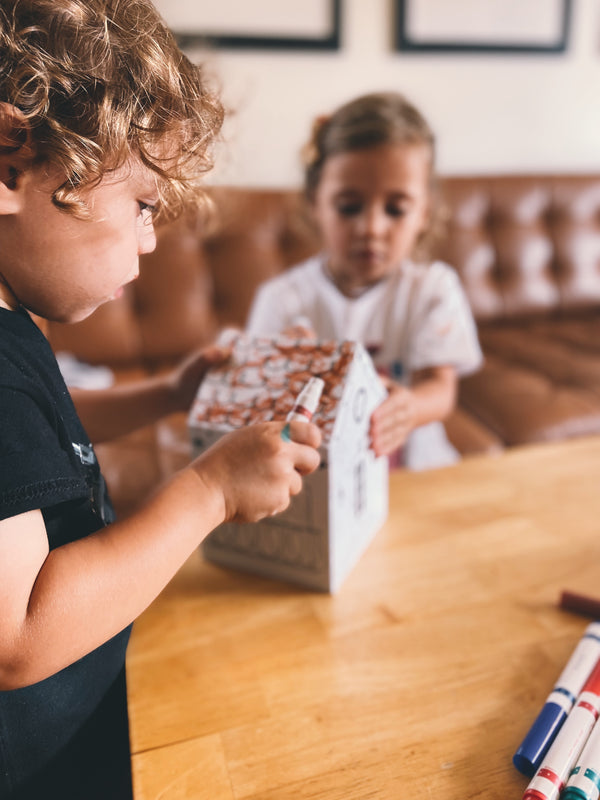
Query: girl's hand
{"points": [[431, 397], [256, 471], [189, 374], [393, 420], [299, 331]]}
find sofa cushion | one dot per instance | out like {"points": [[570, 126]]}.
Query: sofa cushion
{"points": [[538, 382]]}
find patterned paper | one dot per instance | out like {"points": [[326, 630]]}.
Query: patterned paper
{"points": [[264, 377]]}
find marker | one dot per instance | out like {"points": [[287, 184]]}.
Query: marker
{"points": [[535, 745], [584, 781], [580, 603], [560, 759], [305, 405]]}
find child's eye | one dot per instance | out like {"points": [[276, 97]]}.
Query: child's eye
{"points": [[349, 209], [396, 211], [146, 207]]}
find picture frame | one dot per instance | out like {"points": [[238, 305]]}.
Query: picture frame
{"points": [[493, 26], [255, 24]]}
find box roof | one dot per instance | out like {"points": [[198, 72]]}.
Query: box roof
{"points": [[265, 375]]}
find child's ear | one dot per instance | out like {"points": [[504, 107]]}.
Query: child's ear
{"points": [[16, 154]]}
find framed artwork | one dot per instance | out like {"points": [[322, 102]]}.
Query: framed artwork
{"points": [[254, 24], [483, 26]]}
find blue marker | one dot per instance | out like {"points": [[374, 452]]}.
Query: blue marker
{"points": [[579, 667], [584, 782]]}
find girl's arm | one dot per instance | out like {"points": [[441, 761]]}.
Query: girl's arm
{"points": [[57, 606], [431, 397], [108, 413]]}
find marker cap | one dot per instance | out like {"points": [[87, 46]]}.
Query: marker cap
{"points": [[574, 793], [311, 394], [533, 794], [534, 746], [307, 401]]}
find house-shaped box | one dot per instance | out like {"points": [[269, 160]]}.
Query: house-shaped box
{"points": [[322, 534]]}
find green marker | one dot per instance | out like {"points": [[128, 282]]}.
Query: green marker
{"points": [[584, 781]]}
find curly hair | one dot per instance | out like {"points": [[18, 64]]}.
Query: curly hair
{"points": [[372, 120], [98, 81]]}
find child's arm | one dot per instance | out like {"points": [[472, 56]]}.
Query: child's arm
{"points": [[108, 413], [57, 606], [431, 397]]}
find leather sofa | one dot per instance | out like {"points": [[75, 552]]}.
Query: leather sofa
{"points": [[527, 249]]}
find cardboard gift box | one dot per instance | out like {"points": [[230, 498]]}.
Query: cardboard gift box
{"points": [[317, 540]]}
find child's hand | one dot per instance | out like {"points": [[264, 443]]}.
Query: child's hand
{"points": [[393, 420], [300, 328], [256, 471], [299, 331], [188, 375]]}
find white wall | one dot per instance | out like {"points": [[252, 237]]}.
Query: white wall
{"points": [[492, 113]]}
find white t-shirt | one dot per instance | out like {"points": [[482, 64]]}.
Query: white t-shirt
{"points": [[417, 317]]}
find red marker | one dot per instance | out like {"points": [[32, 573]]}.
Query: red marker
{"points": [[305, 405]]}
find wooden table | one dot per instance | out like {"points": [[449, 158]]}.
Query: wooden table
{"points": [[418, 679]]}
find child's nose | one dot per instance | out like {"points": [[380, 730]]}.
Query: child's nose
{"points": [[374, 221], [146, 237]]}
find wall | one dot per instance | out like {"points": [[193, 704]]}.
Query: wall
{"points": [[492, 113]]}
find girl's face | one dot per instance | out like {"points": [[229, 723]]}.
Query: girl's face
{"points": [[371, 206]]}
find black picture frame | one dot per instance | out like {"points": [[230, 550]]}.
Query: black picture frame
{"points": [[405, 40], [226, 40]]}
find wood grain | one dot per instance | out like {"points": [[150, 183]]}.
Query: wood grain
{"points": [[419, 678]]}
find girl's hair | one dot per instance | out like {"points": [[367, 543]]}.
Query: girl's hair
{"points": [[98, 81], [369, 121]]}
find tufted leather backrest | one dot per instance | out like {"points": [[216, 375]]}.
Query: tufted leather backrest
{"points": [[523, 245]]}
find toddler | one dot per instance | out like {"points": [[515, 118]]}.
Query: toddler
{"points": [[369, 179], [103, 125]]}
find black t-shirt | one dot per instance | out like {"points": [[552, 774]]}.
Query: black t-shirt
{"points": [[64, 735]]}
